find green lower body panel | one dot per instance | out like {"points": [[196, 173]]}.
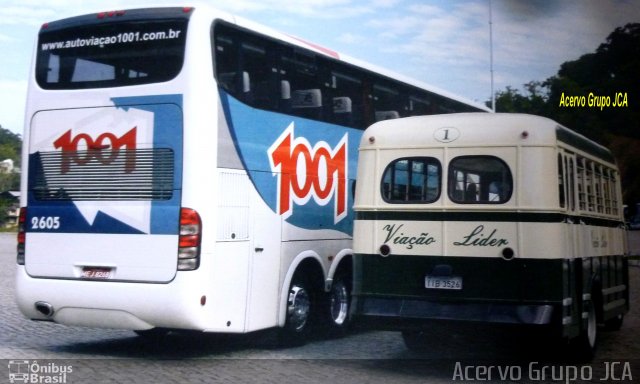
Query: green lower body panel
{"points": [[405, 291]]}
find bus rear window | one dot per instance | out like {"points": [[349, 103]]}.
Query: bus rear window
{"points": [[479, 180], [412, 180], [110, 54]]}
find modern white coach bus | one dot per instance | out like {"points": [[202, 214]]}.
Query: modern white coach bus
{"points": [[491, 218], [186, 169]]}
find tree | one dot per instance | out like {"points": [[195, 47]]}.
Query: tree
{"points": [[611, 71], [10, 146], [534, 101]]}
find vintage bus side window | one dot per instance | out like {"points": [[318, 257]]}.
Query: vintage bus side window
{"points": [[569, 161], [479, 180], [566, 180], [582, 199], [597, 190], [588, 181], [606, 191], [614, 194], [561, 181], [412, 180]]}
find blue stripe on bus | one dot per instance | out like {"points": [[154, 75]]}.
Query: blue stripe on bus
{"points": [[167, 132], [254, 131]]}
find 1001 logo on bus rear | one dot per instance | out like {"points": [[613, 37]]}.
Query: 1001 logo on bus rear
{"points": [[105, 149]]}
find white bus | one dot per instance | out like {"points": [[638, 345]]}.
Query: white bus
{"points": [[488, 218], [186, 169]]}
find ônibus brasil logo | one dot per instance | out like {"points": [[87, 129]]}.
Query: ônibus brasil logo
{"points": [[97, 149], [306, 172]]}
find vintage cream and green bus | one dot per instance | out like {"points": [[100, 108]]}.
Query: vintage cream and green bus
{"points": [[491, 218]]}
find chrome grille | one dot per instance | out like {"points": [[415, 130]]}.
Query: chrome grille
{"points": [[141, 174]]}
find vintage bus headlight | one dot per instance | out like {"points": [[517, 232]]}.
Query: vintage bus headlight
{"points": [[190, 240]]}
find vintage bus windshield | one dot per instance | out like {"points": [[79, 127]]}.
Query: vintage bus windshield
{"points": [[110, 55]]}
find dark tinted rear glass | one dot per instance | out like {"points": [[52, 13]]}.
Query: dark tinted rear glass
{"points": [[111, 54]]}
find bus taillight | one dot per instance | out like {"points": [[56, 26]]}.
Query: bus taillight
{"points": [[190, 239], [22, 220]]}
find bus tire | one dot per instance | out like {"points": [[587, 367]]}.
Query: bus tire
{"points": [[584, 346], [338, 303], [300, 311]]}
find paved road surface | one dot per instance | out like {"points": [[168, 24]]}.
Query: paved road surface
{"points": [[115, 356]]}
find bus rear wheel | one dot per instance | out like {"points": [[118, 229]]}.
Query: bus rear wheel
{"points": [[338, 304], [299, 314]]}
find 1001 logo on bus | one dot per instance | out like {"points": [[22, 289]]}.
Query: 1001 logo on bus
{"points": [[306, 172], [97, 149]]}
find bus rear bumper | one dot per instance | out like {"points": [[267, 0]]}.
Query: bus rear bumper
{"points": [[396, 313], [100, 318], [118, 305]]}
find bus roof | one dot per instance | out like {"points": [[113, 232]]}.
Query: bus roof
{"points": [[479, 130]]}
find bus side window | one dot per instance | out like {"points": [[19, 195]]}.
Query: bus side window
{"points": [[582, 200], [606, 193], [561, 181], [598, 189], [258, 83], [571, 190], [588, 182], [226, 64], [615, 204], [244, 68], [388, 102], [419, 106], [347, 97], [300, 71]]}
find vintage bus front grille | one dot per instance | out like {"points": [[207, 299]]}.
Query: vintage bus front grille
{"points": [[141, 174]]}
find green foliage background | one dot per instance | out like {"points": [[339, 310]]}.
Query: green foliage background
{"points": [[614, 68]]}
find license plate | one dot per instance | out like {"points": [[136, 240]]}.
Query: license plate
{"points": [[439, 282], [96, 273]]}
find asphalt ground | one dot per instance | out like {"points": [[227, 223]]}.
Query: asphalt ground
{"points": [[63, 354]]}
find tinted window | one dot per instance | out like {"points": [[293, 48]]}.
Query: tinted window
{"points": [[273, 75], [110, 54], [412, 180], [479, 180]]}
